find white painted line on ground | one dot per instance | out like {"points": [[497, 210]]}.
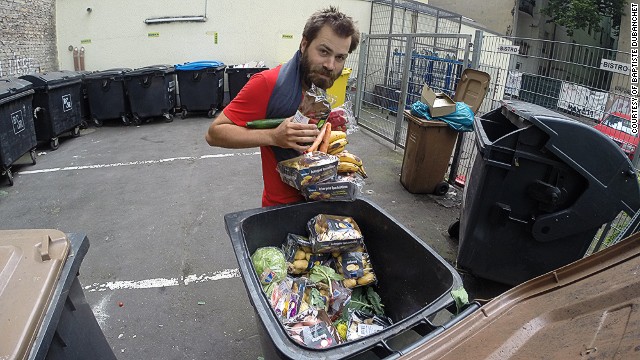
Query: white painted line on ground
{"points": [[132, 163], [161, 282]]}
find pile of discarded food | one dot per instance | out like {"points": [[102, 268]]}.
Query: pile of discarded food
{"points": [[321, 287]]}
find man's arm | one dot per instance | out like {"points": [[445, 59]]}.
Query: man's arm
{"points": [[225, 133]]}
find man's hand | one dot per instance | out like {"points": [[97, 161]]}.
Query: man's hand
{"points": [[294, 135]]}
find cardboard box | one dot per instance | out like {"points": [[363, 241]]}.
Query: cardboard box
{"points": [[439, 103]]}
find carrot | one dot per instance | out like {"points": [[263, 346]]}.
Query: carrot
{"points": [[318, 139], [324, 145]]}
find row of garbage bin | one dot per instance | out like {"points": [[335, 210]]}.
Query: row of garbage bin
{"points": [[41, 107], [153, 91]]}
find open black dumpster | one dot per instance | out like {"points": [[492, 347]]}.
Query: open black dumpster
{"points": [[46, 317], [107, 96], [151, 92], [237, 78], [540, 188], [17, 132], [201, 86], [56, 104], [414, 282]]}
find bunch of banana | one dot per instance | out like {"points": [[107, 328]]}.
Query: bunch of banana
{"points": [[337, 142], [350, 163]]}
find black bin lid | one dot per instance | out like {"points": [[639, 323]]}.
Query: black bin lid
{"points": [[110, 73], [53, 79], [153, 69], [14, 86]]}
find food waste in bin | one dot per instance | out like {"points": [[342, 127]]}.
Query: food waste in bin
{"points": [[322, 286]]}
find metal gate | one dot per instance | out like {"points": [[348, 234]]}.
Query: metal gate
{"points": [[393, 69]]}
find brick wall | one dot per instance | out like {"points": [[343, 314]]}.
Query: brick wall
{"points": [[27, 37]]}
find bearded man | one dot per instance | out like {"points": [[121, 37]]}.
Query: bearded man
{"points": [[329, 36]]}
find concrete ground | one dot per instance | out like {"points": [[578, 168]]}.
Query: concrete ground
{"points": [[151, 200]]}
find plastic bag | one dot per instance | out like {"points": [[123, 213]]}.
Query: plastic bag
{"points": [[362, 324], [300, 259], [342, 118], [460, 120], [314, 108], [356, 268], [343, 188], [309, 168], [330, 233]]}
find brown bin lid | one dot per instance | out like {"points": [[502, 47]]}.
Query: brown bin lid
{"points": [[585, 310], [423, 122], [472, 88], [30, 264]]}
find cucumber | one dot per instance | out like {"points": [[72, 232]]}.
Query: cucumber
{"points": [[264, 124]]}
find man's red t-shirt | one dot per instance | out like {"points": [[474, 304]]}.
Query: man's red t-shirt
{"points": [[251, 104]]}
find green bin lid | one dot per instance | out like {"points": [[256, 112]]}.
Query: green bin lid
{"points": [[30, 265]]}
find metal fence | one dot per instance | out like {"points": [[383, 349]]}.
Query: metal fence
{"points": [[393, 70], [566, 77]]}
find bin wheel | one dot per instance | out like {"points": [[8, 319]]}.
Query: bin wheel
{"points": [[75, 132], [211, 113], [54, 143], [168, 117], [97, 122], [32, 153], [441, 188], [125, 120], [183, 114], [84, 124], [454, 230], [136, 120], [9, 174]]}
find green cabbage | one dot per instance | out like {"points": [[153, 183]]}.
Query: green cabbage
{"points": [[270, 266]]}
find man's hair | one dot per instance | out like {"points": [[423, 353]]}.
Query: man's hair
{"points": [[340, 23]]}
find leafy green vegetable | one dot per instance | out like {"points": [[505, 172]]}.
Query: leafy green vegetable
{"points": [[321, 273], [270, 266], [375, 301], [325, 274], [366, 300], [461, 298], [317, 300]]}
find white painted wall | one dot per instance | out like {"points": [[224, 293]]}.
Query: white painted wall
{"points": [[247, 30]]}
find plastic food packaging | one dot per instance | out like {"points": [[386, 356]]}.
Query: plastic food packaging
{"points": [[356, 268], [362, 324], [298, 254], [306, 169], [338, 190], [314, 108], [331, 233], [342, 119]]}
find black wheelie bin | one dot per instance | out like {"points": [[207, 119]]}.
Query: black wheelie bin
{"points": [[201, 86], [17, 132], [151, 91], [56, 104], [237, 77], [107, 96], [540, 188], [414, 282], [46, 317], [84, 103]]}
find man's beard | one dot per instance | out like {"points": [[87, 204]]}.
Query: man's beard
{"points": [[312, 75]]}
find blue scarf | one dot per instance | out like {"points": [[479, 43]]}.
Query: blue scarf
{"points": [[285, 99]]}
